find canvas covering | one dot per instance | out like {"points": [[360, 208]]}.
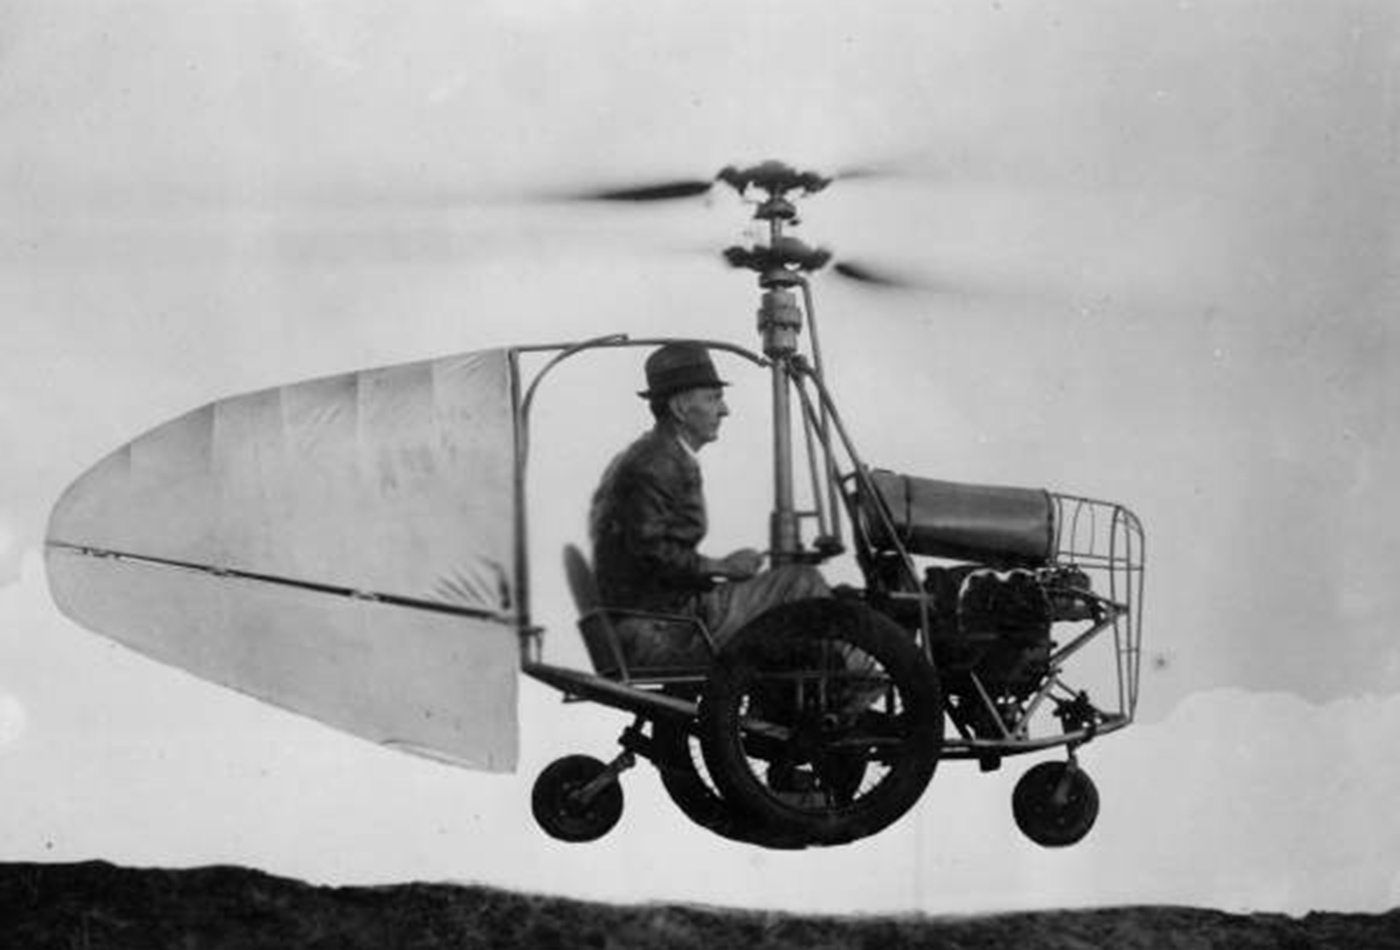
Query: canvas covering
{"points": [[342, 547]]}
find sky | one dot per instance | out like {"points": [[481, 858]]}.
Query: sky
{"points": [[1158, 239]]}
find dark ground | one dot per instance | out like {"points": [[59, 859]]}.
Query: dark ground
{"points": [[97, 905]]}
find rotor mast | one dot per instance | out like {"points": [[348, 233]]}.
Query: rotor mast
{"points": [[779, 266]]}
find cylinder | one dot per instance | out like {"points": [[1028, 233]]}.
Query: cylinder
{"points": [[779, 322]]}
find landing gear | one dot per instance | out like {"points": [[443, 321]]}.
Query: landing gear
{"points": [[578, 798], [821, 720], [1055, 804]]}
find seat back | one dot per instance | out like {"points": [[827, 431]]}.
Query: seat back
{"points": [[634, 645], [580, 577], [599, 636]]}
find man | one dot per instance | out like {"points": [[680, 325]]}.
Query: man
{"points": [[648, 515]]}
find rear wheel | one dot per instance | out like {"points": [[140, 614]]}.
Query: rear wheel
{"points": [[1055, 804], [822, 719], [571, 804], [684, 778]]}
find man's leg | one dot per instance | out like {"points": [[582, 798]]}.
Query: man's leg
{"points": [[730, 606]]}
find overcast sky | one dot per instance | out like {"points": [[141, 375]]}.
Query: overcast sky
{"points": [[1162, 233]]}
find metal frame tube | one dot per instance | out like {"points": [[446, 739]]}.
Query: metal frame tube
{"points": [[784, 538]]}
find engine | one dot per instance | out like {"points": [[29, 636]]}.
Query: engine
{"points": [[998, 622], [1019, 604]]}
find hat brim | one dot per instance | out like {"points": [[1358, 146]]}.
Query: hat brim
{"points": [[677, 390]]}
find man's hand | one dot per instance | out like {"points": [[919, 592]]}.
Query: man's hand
{"points": [[738, 565]]}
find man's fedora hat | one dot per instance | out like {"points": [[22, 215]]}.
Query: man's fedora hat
{"points": [[676, 367]]}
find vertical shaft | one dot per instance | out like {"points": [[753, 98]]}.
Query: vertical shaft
{"points": [[784, 539], [779, 322]]}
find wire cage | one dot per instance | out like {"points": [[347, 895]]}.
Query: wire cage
{"points": [[1106, 542]]}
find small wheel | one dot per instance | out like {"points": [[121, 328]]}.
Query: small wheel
{"points": [[561, 810], [697, 798], [822, 719], [1055, 804]]}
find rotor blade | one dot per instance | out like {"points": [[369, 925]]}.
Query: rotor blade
{"points": [[911, 165], [887, 169], [768, 171], [865, 274], [660, 191], [917, 280]]}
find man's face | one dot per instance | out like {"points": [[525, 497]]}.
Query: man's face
{"points": [[698, 412]]}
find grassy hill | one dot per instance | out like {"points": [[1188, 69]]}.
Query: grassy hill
{"points": [[97, 905]]}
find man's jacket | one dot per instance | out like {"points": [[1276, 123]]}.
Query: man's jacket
{"points": [[647, 521]]}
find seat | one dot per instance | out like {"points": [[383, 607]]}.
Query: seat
{"points": [[632, 645]]}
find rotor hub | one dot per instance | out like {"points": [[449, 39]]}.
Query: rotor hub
{"points": [[776, 208], [779, 263], [774, 177]]}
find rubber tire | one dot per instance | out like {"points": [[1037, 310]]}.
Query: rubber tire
{"points": [[798, 627], [1041, 819], [566, 820], [700, 801]]}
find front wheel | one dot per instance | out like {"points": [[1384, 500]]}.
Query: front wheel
{"points": [[822, 719], [571, 804], [1055, 804]]}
